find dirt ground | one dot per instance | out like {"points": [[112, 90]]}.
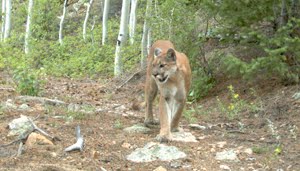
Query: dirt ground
{"points": [[107, 110]]}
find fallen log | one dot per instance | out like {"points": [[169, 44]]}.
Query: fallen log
{"points": [[42, 100]]}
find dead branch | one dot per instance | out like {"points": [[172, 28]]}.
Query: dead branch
{"points": [[7, 89], [43, 100], [236, 131], [39, 129], [130, 78], [79, 142], [103, 169]]}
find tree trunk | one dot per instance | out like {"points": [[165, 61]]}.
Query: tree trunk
{"points": [[295, 9], [283, 15], [296, 14], [145, 35], [132, 20], [92, 31], [62, 19], [148, 40], [121, 37], [3, 20], [7, 19], [171, 24], [104, 21], [86, 19], [27, 34]]}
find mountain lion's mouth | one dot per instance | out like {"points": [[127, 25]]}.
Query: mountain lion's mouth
{"points": [[162, 79]]}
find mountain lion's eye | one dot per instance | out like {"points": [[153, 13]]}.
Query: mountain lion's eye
{"points": [[161, 65]]}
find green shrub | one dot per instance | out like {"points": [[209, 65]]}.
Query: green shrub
{"points": [[27, 82], [76, 115], [118, 124], [189, 115], [201, 84], [266, 67]]}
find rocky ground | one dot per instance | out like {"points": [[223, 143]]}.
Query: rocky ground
{"points": [[265, 138]]}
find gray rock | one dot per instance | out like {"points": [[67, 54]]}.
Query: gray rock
{"points": [[296, 96], [154, 151], [19, 126], [227, 155], [24, 107], [138, 128]]}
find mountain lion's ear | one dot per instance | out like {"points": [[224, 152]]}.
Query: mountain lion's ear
{"points": [[171, 55], [157, 51]]}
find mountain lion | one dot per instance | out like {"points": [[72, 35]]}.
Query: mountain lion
{"points": [[169, 72]]}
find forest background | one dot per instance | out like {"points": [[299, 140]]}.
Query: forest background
{"points": [[247, 39]]}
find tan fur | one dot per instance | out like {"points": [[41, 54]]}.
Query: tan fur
{"points": [[172, 77]]}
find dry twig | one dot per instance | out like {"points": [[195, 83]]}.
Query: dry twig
{"points": [[130, 78]]}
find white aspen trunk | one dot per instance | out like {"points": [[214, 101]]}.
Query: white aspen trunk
{"points": [[7, 19], [122, 36], [92, 30], [144, 45], [104, 21], [132, 20], [27, 33], [171, 24], [3, 20], [148, 40], [145, 35], [86, 19], [62, 19]]}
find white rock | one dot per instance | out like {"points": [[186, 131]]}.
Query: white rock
{"points": [[183, 137], [154, 151], [138, 128], [9, 104], [221, 144], [197, 126], [224, 167], [160, 168], [53, 154], [248, 151], [227, 155]]}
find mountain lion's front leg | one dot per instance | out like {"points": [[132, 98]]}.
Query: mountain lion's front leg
{"points": [[150, 94], [177, 115], [165, 123]]}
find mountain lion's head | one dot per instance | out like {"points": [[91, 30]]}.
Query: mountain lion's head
{"points": [[164, 65]]}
